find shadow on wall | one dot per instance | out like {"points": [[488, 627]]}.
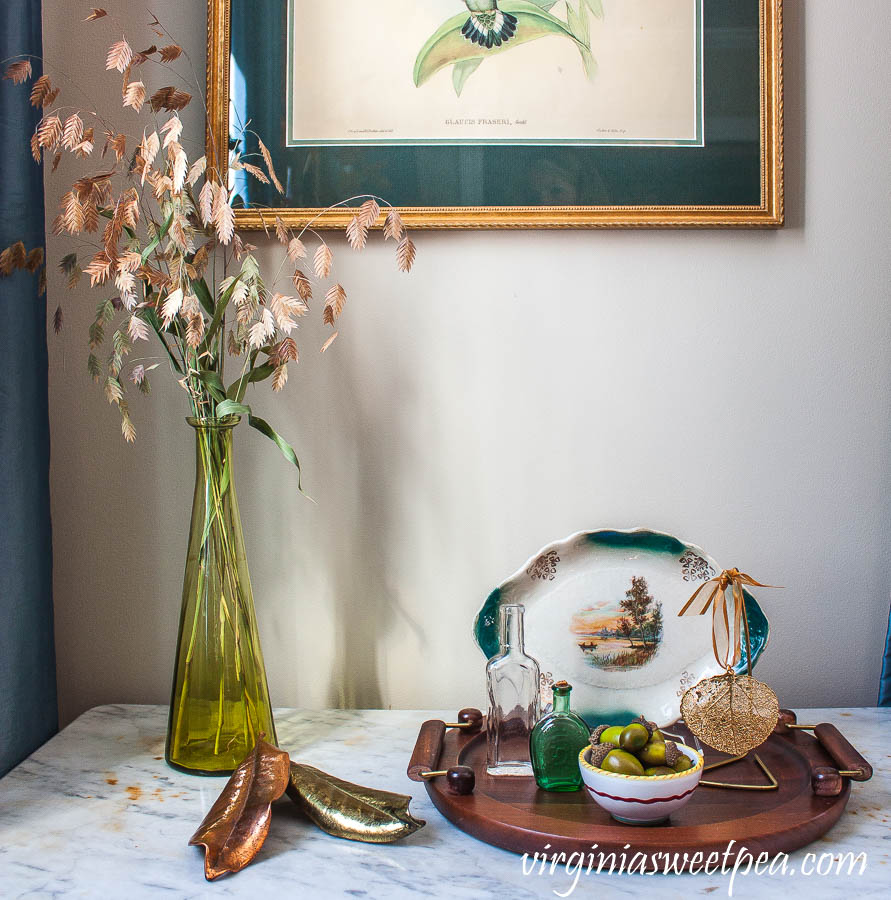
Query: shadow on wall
{"points": [[366, 600], [332, 565]]}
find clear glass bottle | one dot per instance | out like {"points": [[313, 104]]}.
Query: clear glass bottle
{"points": [[514, 699], [556, 743]]}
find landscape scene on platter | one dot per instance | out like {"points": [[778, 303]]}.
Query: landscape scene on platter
{"points": [[622, 632]]}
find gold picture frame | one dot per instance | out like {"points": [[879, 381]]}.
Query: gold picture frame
{"points": [[769, 213]]}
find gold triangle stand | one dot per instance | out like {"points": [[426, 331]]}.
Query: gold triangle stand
{"points": [[772, 784]]}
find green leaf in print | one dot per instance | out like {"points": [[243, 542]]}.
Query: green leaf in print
{"points": [[462, 71], [579, 26], [596, 7]]}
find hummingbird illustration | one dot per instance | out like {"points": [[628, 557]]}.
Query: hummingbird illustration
{"points": [[488, 26]]}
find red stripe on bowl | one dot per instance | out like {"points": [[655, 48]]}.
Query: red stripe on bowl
{"points": [[636, 800]]}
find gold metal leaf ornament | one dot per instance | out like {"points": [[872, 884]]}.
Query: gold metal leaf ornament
{"points": [[350, 811], [732, 713]]}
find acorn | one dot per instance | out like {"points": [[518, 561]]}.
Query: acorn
{"points": [[634, 737], [653, 754], [622, 762], [650, 726], [683, 763], [659, 770], [599, 752], [611, 735], [596, 732], [659, 753]]}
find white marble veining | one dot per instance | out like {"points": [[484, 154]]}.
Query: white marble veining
{"points": [[97, 813]]}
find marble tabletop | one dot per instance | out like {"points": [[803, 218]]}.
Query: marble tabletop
{"points": [[97, 813]]}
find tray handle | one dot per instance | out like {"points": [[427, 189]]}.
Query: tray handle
{"points": [[827, 782], [843, 752], [428, 748]]}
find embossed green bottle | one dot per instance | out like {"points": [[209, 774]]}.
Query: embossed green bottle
{"points": [[555, 744]]}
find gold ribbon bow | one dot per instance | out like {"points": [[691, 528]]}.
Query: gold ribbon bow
{"points": [[722, 614]]}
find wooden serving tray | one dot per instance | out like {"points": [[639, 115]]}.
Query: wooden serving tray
{"points": [[513, 813]]}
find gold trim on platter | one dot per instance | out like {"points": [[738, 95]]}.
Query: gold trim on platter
{"points": [[769, 214]]}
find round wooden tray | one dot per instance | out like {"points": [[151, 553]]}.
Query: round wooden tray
{"points": [[513, 813]]}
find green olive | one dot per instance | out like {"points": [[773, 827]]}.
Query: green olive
{"points": [[622, 762], [659, 770], [653, 754], [634, 737], [611, 735], [683, 763]]}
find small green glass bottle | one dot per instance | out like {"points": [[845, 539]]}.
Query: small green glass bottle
{"points": [[555, 744]]}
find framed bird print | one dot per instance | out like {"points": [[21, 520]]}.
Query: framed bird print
{"points": [[502, 113]]}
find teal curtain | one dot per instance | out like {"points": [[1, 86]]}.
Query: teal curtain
{"points": [[27, 661], [885, 683]]}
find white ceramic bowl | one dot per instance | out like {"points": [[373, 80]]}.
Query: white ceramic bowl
{"points": [[641, 799]]}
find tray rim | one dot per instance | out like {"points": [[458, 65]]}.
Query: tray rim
{"points": [[525, 833]]}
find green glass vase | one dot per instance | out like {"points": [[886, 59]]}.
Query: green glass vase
{"points": [[220, 701], [555, 744]]}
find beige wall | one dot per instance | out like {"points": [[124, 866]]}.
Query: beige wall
{"points": [[732, 388]]}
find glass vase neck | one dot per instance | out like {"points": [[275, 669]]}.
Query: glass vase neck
{"points": [[201, 423], [511, 631]]}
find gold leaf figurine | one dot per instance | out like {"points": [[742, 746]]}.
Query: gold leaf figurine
{"points": [[349, 810]]}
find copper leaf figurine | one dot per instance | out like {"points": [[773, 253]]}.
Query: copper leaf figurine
{"points": [[234, 830]]}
